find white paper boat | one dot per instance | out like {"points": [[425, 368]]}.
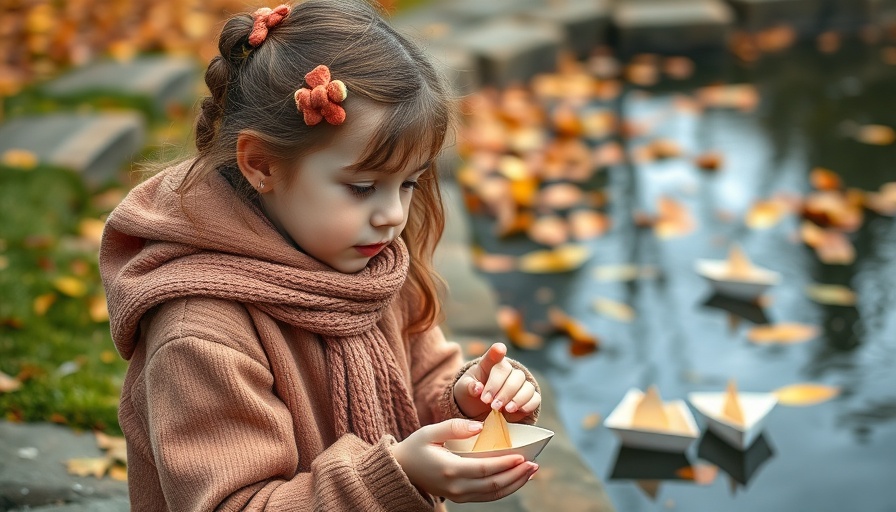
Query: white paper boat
{"points": [[527, 440], [675, 439], [755, 407], [746, 288]]}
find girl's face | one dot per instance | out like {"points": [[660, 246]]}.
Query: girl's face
{"points": [[341, 216]]}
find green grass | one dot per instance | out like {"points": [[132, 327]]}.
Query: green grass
{"points": [[64, 358]]}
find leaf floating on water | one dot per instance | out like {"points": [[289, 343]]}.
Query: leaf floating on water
{"points": [[875, 134], [765, 214], [805, 394], [825, 179], [673, 219], [591, 421], [831, 294], [784, 333], [553, 261], [511, 322], [700, 474], [832, 247], [583, 343], [710, 161], [493, 263], [613, 309], [588, 224]]}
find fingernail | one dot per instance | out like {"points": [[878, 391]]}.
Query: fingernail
{"points": [[474, 426], [533, 467], [487, 397], [477, 388], [496, 405], [511, 406]]}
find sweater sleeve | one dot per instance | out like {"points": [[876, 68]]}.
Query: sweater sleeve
{"points": [[222, 439]]}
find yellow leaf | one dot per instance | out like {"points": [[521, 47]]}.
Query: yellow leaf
{"points": [[583, 343], [591, 421], [43, 302], [108, 356], [875, 134], [831, 294], [19, 158], [805, 394], [95, 466], [92, 230], [98, 309], [8, 383], [511, 321], [118, 473], [785, 333], [560, 259], [615, 310], [71, 286], [765, 214], [115, 447]]}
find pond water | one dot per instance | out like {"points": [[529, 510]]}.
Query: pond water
{"points": [[836, 455]]}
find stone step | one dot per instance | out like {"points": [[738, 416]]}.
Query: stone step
{"points": [[510, 50], [670, 27], [585, 22], [161, 81], [94, 145]]}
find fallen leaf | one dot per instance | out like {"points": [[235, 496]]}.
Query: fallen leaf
{"points": [[613, 309], [678, 68], [831, 294], [588, 224], [783, 333], [583, 343], [805, 394], [560, 196], [114, 446], [662, 149], [591, 421], [511, 322], [71, 286], [564, 258], [700, 474], [825, 179], [673, 219], [765, 214], [98, 309], [710, 161], [493, 263], [89, 466], [550, 230], [875, 134], [92, 230], [8, 383], [118, 473], [42, 303], [19, 158]]}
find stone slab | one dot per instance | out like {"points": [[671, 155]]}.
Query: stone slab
{"points": [[585, 22], [511, 51], [802, 15], [473, 12], [93, 145], [39, 480], [161, 80], [672, 26]]}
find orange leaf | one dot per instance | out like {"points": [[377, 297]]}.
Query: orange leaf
{"points": [[701, 474], [591, 421], [43, 302], [805, 394], [19, 158], [784, 333], [875, 134], [831, 294], [588, 224], [583, 343], [71, 286], [673, 219], [560, 196], [493, 263], [549, 230], [765, 214], [710, 161], [511, 321], [825, 179], [560, 259], [98, 309]]}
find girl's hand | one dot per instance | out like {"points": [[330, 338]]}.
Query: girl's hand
{"points": [[437, 471], [493, 384]]}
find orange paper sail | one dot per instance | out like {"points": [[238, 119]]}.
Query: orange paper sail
{"points": [[650, 412], [739, 265], [494, 435], [731, 408]]}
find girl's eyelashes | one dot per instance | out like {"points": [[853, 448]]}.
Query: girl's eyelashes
{"points": [[361, 190], [409, 185]]}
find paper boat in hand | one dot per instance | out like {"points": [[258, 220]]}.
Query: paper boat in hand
{"points": [[642, 420], [737, 277], [525, 440], [735, 417]]}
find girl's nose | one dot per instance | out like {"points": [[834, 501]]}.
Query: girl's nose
{"points": [[389, 211]]}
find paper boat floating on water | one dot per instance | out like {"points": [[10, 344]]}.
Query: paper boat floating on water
{"points": [[642, 420], [526, 440], [735, 417], [737, 277]]}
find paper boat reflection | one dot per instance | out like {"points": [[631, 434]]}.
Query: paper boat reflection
{"points": [[754, 406], [649, 468], [748, 310], [680, 432], [740, 465], [747, 287], [527, 440]]}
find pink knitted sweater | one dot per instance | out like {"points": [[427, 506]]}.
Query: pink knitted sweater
{"points": [[259, 378]]}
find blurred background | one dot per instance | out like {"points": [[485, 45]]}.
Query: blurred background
{"points": [[669, 193]]}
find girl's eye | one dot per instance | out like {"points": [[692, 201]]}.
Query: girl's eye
{"points": [[409, 185], [361, 190]]}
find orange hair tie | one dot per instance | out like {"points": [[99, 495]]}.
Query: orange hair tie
{"points": [[321, 99], [266, 18]]}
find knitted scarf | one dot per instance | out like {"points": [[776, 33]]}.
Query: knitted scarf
{"points": [[157, 247]]}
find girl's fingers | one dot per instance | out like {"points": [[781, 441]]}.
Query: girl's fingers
{"points": [[522, 397], [479, 469], [504, 484], [494, 355], [509, 390], [533, 404], [496, 378]]}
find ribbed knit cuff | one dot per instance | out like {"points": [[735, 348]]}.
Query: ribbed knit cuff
{"points": [[387, 481], [448, 406]]}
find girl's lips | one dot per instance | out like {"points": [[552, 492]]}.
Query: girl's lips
{"points": [[369, 250]]}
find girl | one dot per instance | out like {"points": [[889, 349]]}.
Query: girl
{"points": [[275, 296]]}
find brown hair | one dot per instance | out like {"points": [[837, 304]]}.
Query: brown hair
{"points": [[252, 91]]}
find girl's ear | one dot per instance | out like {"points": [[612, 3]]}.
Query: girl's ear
{"points": [[255, 163]]}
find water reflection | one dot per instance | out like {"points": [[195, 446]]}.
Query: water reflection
{"points": [[739, 465], [736, 308]]}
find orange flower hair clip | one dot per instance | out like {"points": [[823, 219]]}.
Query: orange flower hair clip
{"points": [[266, 18], [321, 99]]}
